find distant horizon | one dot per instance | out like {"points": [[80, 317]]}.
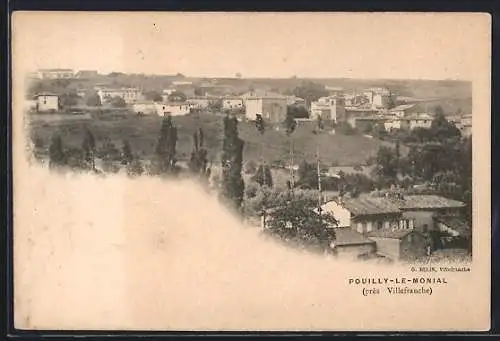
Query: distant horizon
{"points": [[243, 77]]}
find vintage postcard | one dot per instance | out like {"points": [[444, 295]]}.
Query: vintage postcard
{"points": [[251, 171]]}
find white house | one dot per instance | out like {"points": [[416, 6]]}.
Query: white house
{"points": [[378, 97], [174, 109], [330, 108], [129, 95], [145, 108], [200, 102], [272, 106], [47, 102], [232, 102], [366, 213], [410, 122]]}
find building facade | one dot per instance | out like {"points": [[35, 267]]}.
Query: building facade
{"points": [[422, 120], [200, 102], [129, 95], [272, 107], [232, 102], [422, 209], [47, 102], [379, 98], [405, 245], [329, 108]]}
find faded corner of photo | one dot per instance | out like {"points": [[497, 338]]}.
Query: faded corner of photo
{"points": [[239, 172]]}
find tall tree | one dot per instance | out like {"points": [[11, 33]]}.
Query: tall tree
{"points": [[233, 186], [198, 162], [386, 161], [56, 151], [93, 100], [263, 176], [290, 125], [154, 96], [296, 218], [442, 130], [88, 146], [165, 148], [319, 123], [310, 91], [127, 156]]}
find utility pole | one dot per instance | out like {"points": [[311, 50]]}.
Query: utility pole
{"points": [[319, 180], [292, 176]]}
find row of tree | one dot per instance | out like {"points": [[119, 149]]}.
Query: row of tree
{"points": [[84, 158]]}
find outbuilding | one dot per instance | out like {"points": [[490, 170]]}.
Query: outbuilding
{"points": [[400, 244]]}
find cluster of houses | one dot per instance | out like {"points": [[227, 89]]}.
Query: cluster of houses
{"points": [[363, 110], [394, 226], [373, 108]]}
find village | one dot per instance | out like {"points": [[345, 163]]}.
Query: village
{"points": [[409, 200]]}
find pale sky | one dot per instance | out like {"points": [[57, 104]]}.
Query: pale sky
{"points": [[363, 45]]}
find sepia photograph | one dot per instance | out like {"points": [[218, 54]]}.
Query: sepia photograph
{"points": [[251, 171]]}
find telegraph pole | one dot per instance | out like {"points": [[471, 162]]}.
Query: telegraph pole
{"points": [[319, 179], [292, 176]]}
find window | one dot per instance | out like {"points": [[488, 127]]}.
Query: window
{"points": [[410, 224], [387, 224], [359, 227], [369, 226]]}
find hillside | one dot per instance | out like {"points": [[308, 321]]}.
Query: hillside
{"points": [[142, 133]]}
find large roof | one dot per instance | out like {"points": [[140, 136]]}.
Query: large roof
{"points": [[428, 202], [347, 236], [367, 205]]}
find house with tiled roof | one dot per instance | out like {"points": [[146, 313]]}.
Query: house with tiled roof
{"points": [[389, 219], [365, 213], [351, 244], [422, 209]]}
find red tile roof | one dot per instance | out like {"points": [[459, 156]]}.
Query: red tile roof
{"points": [[365, 205], [428, 202]]}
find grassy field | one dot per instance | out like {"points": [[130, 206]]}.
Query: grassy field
{"points": [[142, 133]]}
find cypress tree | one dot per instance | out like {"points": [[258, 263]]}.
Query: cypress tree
{"points": [[232, 162], [165, 148], [56, 152], [127, 156], [198, 162], [88, 146]]}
